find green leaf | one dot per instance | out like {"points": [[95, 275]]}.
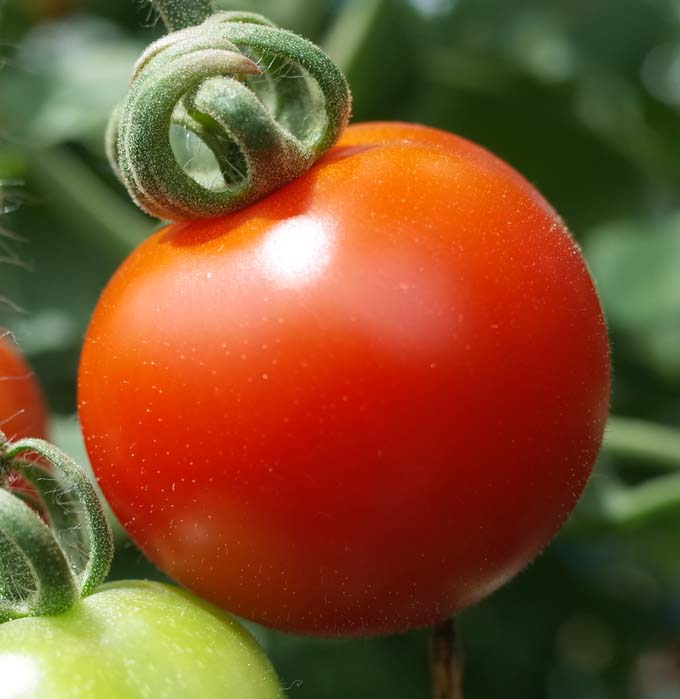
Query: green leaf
{"points": [[636, 267], [65, 79]]}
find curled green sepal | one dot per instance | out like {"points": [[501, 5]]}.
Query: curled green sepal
{"points": [[266, 102], [35, 577], [46, 566]]}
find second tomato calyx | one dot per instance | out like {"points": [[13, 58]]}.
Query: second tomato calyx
{"points": [[47, 565]]}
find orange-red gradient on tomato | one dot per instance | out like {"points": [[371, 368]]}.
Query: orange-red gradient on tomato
{"points": [[361, 404]]}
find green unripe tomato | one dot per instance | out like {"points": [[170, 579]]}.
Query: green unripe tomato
{"points": [[134, 640]]}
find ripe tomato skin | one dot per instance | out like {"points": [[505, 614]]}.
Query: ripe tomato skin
{"points": [[135, 640], [363, 403], [22, 408]]}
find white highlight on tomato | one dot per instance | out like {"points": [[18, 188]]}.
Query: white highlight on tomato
{"points": [[297, 250], [20, 675]]}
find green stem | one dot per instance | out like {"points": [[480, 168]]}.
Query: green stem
{"points": [[179, 14], [646, 442], [351, 31]]}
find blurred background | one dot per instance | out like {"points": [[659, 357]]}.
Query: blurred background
{"points": [[583, 97]]}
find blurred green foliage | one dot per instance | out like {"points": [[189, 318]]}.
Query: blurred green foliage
{"points": [[583, 97]]}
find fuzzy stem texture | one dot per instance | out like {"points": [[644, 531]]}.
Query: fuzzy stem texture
{"points": [[179, 14], [266, 103], [46, 567]]}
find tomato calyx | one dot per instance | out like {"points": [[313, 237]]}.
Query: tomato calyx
{"points": [[5, 464], [46, 566], [265, 102]]}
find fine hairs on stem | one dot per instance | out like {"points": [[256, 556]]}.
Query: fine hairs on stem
{"points": [[219, 77]]}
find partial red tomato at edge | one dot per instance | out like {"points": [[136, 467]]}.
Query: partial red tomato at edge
{"points": [[22, 408], [361, 404]]}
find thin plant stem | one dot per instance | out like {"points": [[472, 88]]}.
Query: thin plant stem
{"points": [[351, 31], [447, 662], [179, 14]]}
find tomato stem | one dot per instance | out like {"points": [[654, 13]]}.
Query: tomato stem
{"points": [[262, 103], [447, 662], [45, 569], [179, 14]]}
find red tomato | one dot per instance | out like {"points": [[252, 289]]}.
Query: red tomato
{"points": [[361, 404], [22, 409]]}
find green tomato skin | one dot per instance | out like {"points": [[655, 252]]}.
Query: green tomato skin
{"points": [[134, 640]]}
